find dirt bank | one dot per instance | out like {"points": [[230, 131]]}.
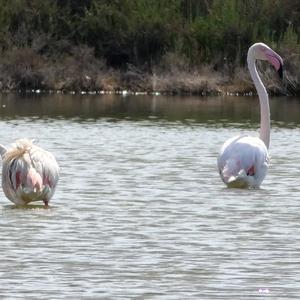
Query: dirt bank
{"points": [[26, 70]]}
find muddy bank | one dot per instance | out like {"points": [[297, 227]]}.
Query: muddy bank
{"points": [[25, 70]]}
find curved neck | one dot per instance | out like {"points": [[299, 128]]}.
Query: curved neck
{"points": [[263, 100]]}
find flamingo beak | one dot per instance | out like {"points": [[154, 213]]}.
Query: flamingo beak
{"points": [[275, 60], [280, 71]]}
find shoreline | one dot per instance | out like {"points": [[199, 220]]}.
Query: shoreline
{"points": [[213, 86], [29, 72], [125, 93], [25, 70]]}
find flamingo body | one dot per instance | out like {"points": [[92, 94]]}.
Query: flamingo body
{"points": [[29, 173], [243, 160]]}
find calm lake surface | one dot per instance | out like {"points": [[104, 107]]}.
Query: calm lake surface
{"points": [[140, 211]]}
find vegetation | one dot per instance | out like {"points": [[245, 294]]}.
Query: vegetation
{"points": [[194, 46]]}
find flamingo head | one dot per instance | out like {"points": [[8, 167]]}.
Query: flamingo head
{"points": [[263, 52], [241, 180], [236, 177]]}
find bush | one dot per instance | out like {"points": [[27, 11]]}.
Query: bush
{"points": [[41, 36]]}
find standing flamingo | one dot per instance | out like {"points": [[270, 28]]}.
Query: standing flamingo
{"points": [[29, 173], [243, 160]]}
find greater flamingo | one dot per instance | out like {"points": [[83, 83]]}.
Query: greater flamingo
{"points": [[29, 173], [243, 160]]}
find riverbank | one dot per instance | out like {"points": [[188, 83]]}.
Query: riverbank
{"points": [[26, 70]]}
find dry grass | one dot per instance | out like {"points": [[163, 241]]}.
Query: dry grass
{"points": [[200, 82], [176, 75], [26, 69]]}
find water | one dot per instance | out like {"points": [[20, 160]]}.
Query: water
{"points": [[140, 211]]}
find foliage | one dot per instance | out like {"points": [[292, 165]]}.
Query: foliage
{"points": [[141, 33]]}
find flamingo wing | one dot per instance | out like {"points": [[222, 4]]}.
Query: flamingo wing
{"points": [[45, 164], [29, 174]]}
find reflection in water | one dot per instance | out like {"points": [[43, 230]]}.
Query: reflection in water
{"points": [[222, 110], [140, 211]]}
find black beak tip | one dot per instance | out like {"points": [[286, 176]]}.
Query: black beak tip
{"points": [[280, 71]]}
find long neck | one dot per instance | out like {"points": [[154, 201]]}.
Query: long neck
{"points": [[263, 100]]}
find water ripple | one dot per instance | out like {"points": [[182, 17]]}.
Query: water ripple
{"points": [[140, 213]]}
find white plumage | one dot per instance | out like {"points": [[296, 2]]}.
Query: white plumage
{"points": [[29, 173], [243, 160]]}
